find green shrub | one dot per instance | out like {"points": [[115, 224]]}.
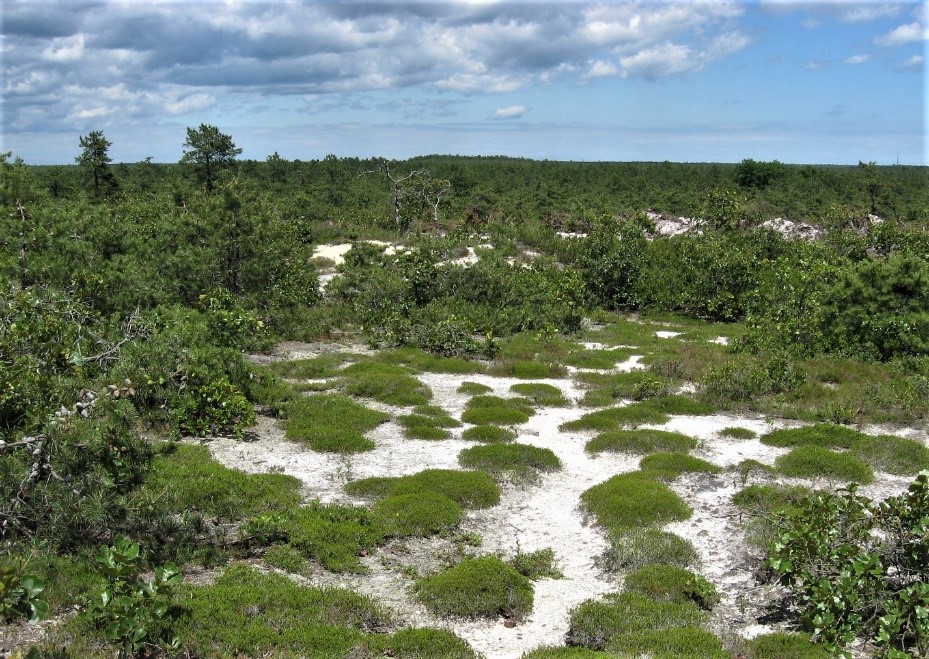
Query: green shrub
{"points": [[536, 564], [262, 614], [541, 393], [815, 462], [20, 595], [738, 433], [487, 401], [501, 458], [598, 359], [673, 643], [770, 499], [420, 643], [633, 500], [527, 370], [334, 535], [633, 415], [824, 435], [677, 464], [782, 645], [506, 416], [385, 383], [421, 514], [215, 408], [634, 549], [477, 587], [421, 360], [564, 653], [595, 623], [190, 479], [428, 432], [327, 365], [470, 489], [679, 405], [489, 434], [285, 557], [332, 423], [640, 441], [894, 455], [473, 388], [668, 583]]}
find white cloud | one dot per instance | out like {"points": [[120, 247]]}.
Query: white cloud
{"points": [[812, 66], [511, 112], [914, 62], [65, 49], [600, 69], [904, 34], [188, 104], [470, 83], [870, 12], [857, 59], [667, 59]]}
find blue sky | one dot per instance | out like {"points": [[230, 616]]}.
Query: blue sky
{"points": [[801, 82]]}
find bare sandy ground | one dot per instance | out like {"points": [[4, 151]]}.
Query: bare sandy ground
{"points": [[538, 515]]}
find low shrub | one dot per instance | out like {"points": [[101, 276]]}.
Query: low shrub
{"points": [[421, 360], [679, 405], [677, 464], [489, 434], [190, 479], [324, 366], [427, 432], [331, 423], [477, 587], [816, 462], [598, 359], [420, 643], [783, 645], [668, 583], [473, 388], [422, 514], [637, 548], [285, 557], [770, 499], [334, 535], [564, 653], [541, 394], [633, 500], [245, 611], [675, 642], [431, 420], [825, 435], [738, 433], [612, 418], [471, 489], [505, 416], [527, 370], [487, 401], [536, 564], [498, 459], [595, 623], [385, 383], [900, 456], [641, 441]]}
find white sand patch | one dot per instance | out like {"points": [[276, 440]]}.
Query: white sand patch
{"points": [[570, 234], [665, 334], [593, 345], [336, 253], [721, 340], [631, 364]]}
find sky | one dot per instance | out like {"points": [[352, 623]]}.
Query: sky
{"points": [[801, 82]]}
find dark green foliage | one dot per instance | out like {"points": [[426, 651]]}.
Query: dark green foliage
{"points": [[471, 489], [822, 434], [633, 500], [668, 583], [615, 417], [612, 259], [781, 645], [489, 434], [420, 643], [673, 643], [477, 587], [540, 393], [527, 370], [564, 653], [421, 514], [738, 433], [331, 423], [895, 455], [636, 548], [20, 595], [677, 464], [644, 440], [473, 388], [596, 623], [536, 565], [679, 405], [386, 383], [816, 462], [334, 535], [504, 416], [245, 611], [210, 151], [498, 459], [190, 479], [771, 499]]}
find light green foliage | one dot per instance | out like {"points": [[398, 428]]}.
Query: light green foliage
{"points": [[771, 499], [736, 432], [527, 370], [745, 379], [782, 645], [596, 623], [612, 418], [859, 569], [668, 583], [504, 416], [285, 557], [473, 388], [821, 434], [386, 383], [334, 535], [536, 565], [215, 408], [679, 405], [133, 612], [895, 455], [190, 479], [674, 643], [499, 459], [633, 500], [331, 423], [477, 587], [596, 359], [326, 365], [420, 514], [677, 464], [20, 595], [564, 653], [427, 422], [815, 462], [635, 548], [489, 434], [540, 393], [471, 489], [421, 360], [261, 614], [643, 440], [230, 324], [420, 643]]}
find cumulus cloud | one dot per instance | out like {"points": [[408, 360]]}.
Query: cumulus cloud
{"points": [[857, 59], [914, 62], [601, 69], [904, 34], [511, 112]]}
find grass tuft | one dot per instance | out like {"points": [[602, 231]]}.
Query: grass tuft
{"points": [[331, 423], [477, 588], [473, 388], [499, 459], [536, 565], [635, 549], [634, 500], [422, 514], [667, 583], [613, 418], [738, 433], [816, 462], [489, 434], [783, 645], [386, 383], [540, 393], [900, 456], [470, 489], [334, 535], [641, 441], [677, 464], [824, 435]]}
